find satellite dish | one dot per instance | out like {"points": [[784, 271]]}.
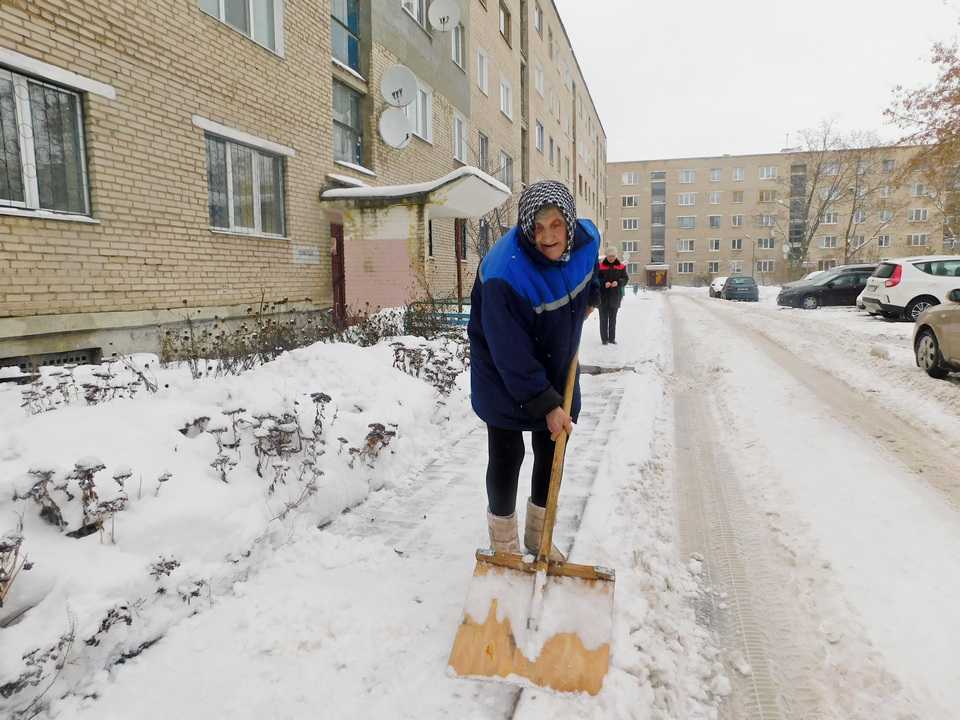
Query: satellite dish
{"points": [[395, 128], [444, 15], [399, 86]]}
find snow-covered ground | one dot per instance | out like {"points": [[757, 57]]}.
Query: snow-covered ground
{"points": [[774, 488]]}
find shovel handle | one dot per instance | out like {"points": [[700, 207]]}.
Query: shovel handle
{"points": [[556, 471]]}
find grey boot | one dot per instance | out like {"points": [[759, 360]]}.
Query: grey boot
{"points": [[503, 533], [534, 532]]}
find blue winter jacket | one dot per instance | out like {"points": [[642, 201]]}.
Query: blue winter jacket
{"points": [[526, 317]]}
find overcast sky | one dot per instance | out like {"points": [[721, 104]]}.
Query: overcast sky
{"points": [[708, 77]]}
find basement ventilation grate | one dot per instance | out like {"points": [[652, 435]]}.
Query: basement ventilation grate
{"points": [[30, 363]]}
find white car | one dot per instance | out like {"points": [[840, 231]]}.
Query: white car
{"points": [[716, 287], [905, 287]]}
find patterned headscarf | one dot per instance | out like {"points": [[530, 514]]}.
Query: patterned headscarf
{"points": [[547, 193]]}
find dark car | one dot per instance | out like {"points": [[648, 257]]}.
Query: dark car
{"points": [[740, 288], [839, 286]]}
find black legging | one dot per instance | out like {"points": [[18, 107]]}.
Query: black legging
{"points": [[608, 323], [505, 451]]}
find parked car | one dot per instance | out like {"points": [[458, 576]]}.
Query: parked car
{"points": [[905, 287], [936, 337], [716, 287], [811, 276], [740, 287], [839, 286]]}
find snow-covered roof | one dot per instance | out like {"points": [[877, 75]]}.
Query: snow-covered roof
{"points": [[465, 192]]}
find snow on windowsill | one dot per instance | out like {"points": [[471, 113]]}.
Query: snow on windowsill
{"points": [[243, 233], [356, 168], [47, 215], [346, 180], [349, 70]]}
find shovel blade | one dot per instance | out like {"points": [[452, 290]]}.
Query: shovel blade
{"points": [[568, 651]]}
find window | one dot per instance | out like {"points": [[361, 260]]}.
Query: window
{"points": [[633, 268], [421, 113], [345, 32], [768, 172], [538, 19], [539, 136], [829, 218], [245, 188], [506, 98], [918, 215], [483, 71], [457, 47], [885, 192], [714, 244], [658, 216], [766, 243], [767, 220], [687, 199], [767, 196], [43, 165], [629, 246], [828, 242], [505, 29], [483, 151], [538, 78], [460, 238], [688, 176], [417, 10], [738, 176], [658, 175], [506, 169], [736, 220], [715, 174], [941, 268], [459, 137], [736, 267], [347, 124], [686, 245], [713, 267], [738, 196], [736, 244], [918, 240], [685, 268], [715, 197], [831, 168], [550, 43], [859, 216], [764, 266], [919, 190], [687, 222], [858, 241], [713, 221], [630, 201], [883, 241], [889, 165], [826, 264], [631, 178], [257, 19], [630, 223]]}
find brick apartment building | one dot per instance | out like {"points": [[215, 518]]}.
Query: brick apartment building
{"points": [[164, 158]]}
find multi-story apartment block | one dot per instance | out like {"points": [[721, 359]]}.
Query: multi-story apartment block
{"points": [[158, 159], [688, 220]]}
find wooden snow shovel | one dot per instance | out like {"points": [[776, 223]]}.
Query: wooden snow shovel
{"points": [[531, 621]]}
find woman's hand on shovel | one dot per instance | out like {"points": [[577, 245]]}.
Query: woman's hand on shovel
{"points": [[558, 420]]}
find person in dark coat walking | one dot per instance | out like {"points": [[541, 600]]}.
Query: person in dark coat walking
{"points": [[534, 289], [613, 282]]}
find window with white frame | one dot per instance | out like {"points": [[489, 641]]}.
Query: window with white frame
{"points": [[630, 223], [713, 221], [687, 222], [885, 192], [685, 268], [629, 246], [538, 19], [539, 136], [417, 10], [889, 165], [459, 137], [766, 243], [713, 267], [42, 152], [918, 215], [483, 70], [736, 220], [506, 169], [738, 196], [245, 188], [458, 45], [259, 20], [859, 216], [630, 201], [686, 245], [714, 244], [829, 218], [630, 178], [736, 244], [506, 98], [347, 124], [883, 241], [858, 241], [768, 172], [715, 197], [767, 196], [738, 176], [764, 266], [831, 168], [688, 199], [420, 113], [688, 176], [918, 189], [826, 264], [736, 267], [633, 268], [920, 240], [828, 242], [538, 79], [345, 32], [715, 174], [766, 220], [505, 24]]}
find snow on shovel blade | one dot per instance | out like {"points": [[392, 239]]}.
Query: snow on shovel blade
{"points": [[567, 651]]}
